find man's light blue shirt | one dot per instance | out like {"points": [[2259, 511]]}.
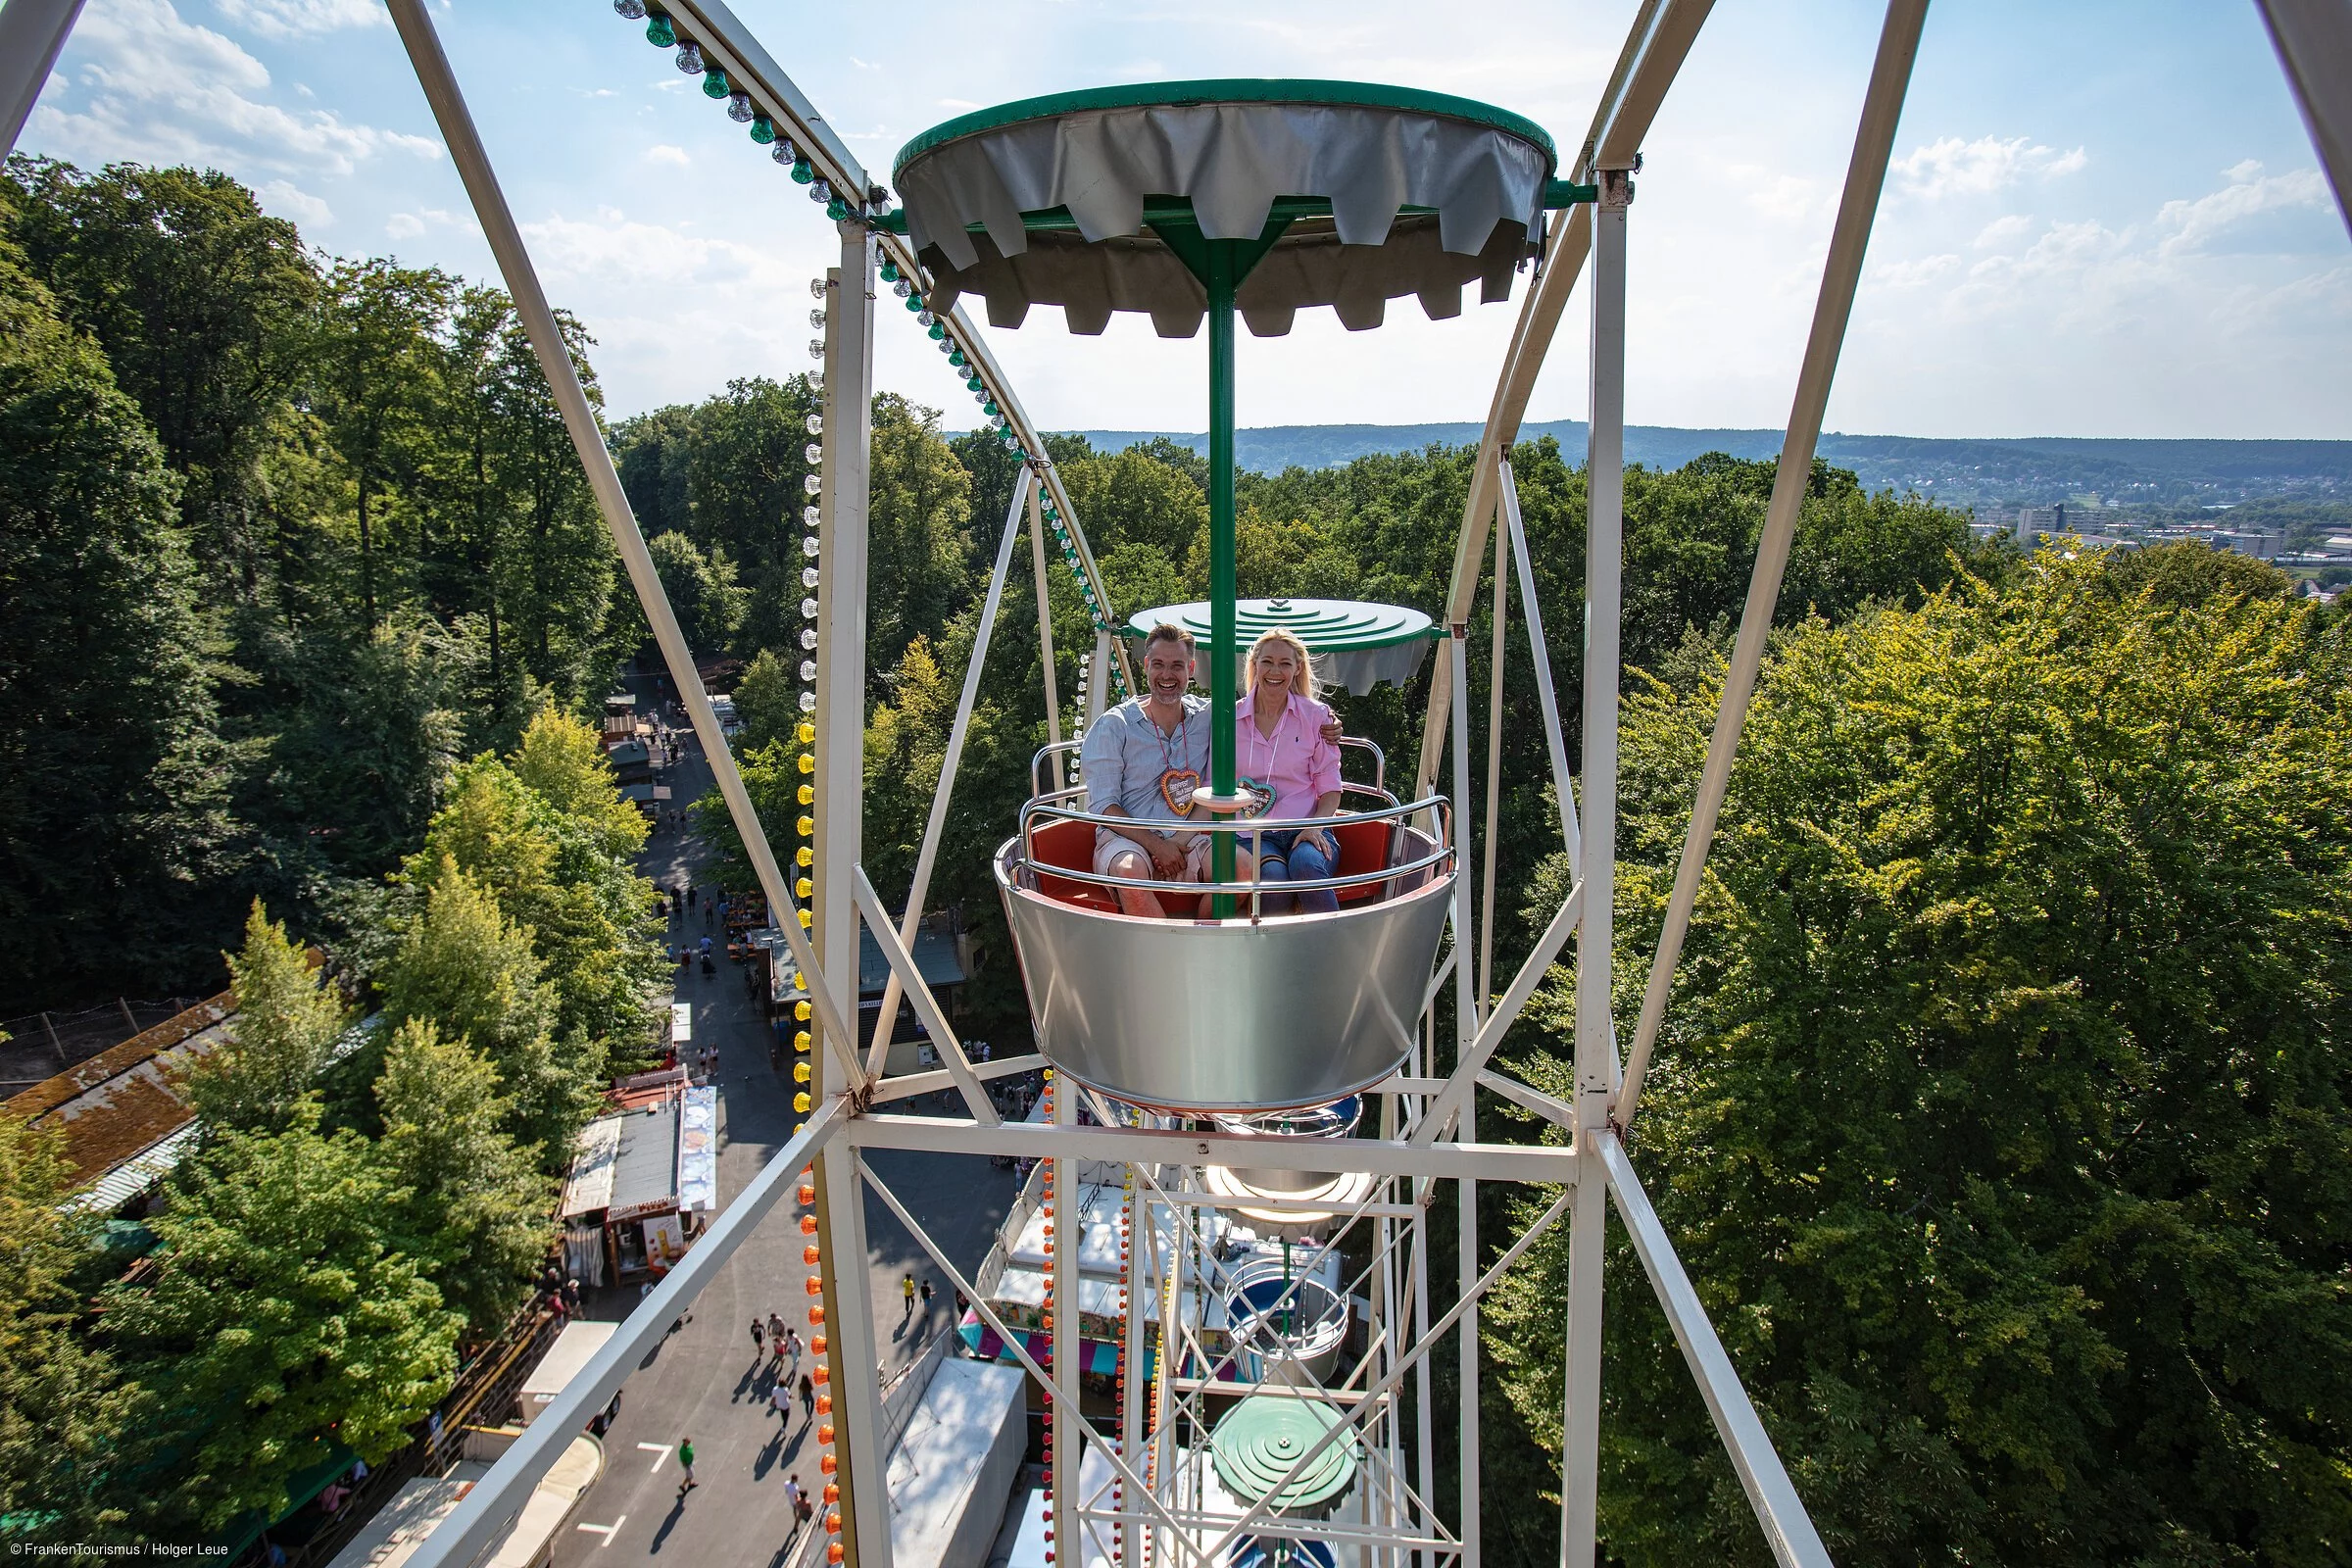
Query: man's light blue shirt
{"points": [[1125, 755]]}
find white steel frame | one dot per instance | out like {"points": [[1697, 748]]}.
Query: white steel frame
{"points": [[1425, 1122]]}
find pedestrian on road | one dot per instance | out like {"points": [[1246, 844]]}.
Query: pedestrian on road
{"points": [[759, 1340], [798, 1500], [808, 1394], [775, 1335], [907, 1296], [779, 1399], [926, 1295], [790, 1344], [686, 1458]]}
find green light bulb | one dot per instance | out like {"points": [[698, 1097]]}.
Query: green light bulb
{"points": [[802, 173], [763, 129], [890, 271], [659, 32], [714, 83]]}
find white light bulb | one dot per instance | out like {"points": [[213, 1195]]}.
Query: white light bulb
{"points": [[808, 637], [812, 483], [810, 547], [816, 348], [739, 108], [810, 517], [809, 672], [817, 288], [902, 288], [631, 9], [816, 318], [690, 59], [820, 191], [781, 150], [808, 576], [808, 698], [813, 453], [807, 610], [817, 425]]}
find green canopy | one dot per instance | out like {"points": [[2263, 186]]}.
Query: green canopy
{"points": [[1355, 645], [1264, 1434]]}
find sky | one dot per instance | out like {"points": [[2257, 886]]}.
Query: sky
{"points": [[2103, 218]]}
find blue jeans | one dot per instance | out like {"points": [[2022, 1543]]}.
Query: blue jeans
{"points": [[1287, 855]]}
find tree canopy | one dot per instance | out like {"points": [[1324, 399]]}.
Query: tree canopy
{"points": [[2000, 1112]]}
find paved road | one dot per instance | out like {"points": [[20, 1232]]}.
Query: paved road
{"points": [[704, 1382]]}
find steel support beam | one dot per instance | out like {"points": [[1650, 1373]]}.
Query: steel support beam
{"points": [[1840, 274], [1443, 1162], [31, 33], [1779, 1509], [1595, 1041], [1562, 783], [2314, 40]]}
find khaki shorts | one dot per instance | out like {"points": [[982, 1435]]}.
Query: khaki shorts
{"points": [[1196, 855]]}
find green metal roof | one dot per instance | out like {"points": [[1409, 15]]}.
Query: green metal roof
{"points": [[1262, 1437], [1231, 90], [1325, 625]]}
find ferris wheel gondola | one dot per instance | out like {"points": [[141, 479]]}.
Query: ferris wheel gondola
{"points": [[1198, 201]]}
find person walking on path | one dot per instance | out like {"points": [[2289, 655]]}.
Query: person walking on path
{"points": [[926, 1295], [776, 1331], [906, 1295], [791, 1344], [759, 1340], [686, 1458], [779, 1400], [800, 1510], [808, 1396]]}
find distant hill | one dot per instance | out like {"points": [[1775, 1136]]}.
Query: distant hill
{"points": [[2034, 471]]}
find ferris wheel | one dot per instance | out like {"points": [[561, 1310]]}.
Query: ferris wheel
{"points": [[1250, 1114]]}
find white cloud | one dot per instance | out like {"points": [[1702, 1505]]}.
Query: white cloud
{"points": [[959, 104], [408, 225], [2198, 225], [284, 196], [288, 18], [2003, 231], [159, 88], [1950, 167], [663, 153], [1913, 273]]}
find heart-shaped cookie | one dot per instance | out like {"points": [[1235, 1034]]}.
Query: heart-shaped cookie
{"points": [[1176, 787]]}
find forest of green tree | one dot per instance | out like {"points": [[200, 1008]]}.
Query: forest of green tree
{"points": [[2001, 1108]]}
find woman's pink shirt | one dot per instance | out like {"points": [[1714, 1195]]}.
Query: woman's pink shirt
{"points": [[1295, 761]]}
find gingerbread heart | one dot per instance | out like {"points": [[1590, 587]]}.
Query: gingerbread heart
{"points": [[1176, 787]]}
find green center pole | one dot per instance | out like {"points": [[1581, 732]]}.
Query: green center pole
{"points": [[1223, 277]]}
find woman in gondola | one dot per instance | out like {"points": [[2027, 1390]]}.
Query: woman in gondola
{"points": [[1279, 745]]}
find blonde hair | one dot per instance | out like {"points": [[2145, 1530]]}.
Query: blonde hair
{"points": [[1305, 682]]}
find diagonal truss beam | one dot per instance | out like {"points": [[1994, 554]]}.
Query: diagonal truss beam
{"points": [[1653, 55], [1779, 1509], [926, 1006], [539, 324], [2314, 40], [1840, 274], [1438, 1116], [466, 1535], [936, 826]]}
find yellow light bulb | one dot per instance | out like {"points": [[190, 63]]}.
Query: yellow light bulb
{"points": [[808, 733], [800, 1072], [806, 920], [803, 888], [799, 1012], [800, 1102], [805, 855], [808, 764], [808, 795], [807, 825], [800, 1042]]}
